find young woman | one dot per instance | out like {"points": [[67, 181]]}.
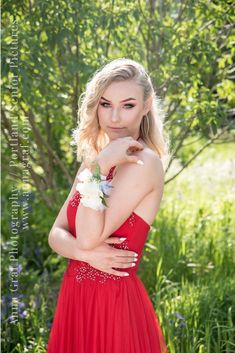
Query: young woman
{"points": [[103, 307]]}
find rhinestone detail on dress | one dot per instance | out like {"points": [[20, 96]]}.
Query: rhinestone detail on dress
{"points": [[85, 271], [110, 174], [74, 201], [123, 245], [131, 219]]}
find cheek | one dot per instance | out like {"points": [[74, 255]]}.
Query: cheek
{"points": [[133, 116], [102, 113]]}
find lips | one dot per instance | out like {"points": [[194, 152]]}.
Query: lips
{"points": [[115, 128]]}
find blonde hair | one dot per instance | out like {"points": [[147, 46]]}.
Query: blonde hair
{"points": [[90, 139]]}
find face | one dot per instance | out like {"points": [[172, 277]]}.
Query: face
{"points": [[121, 109]]}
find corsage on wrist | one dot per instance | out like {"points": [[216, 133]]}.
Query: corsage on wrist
{"points": [[93, 188]]}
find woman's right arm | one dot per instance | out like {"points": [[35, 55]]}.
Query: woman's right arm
{"points": [[64, 244], [60, 239]]}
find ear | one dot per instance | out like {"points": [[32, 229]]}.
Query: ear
{"points": [[148, 104]]}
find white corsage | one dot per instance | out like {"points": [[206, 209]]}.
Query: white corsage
{"points": [[93, 189]]}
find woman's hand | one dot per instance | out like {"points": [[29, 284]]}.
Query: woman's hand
{"points": [[117, 152], [105, 257]]}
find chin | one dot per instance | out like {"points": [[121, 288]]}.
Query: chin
{"points": [[115, 136]]}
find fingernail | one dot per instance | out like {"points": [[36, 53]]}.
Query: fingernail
{"points": [[133, 264], [140, 162], [126, 274], [122, 239], [136, 255], [135, 259]]}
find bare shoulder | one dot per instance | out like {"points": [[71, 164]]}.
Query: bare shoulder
{"points": [[153, 162], [151, 172], [154, 166]]}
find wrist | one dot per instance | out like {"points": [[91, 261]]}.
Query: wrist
{"points": [[104, 169], [93, 187], [80, 254]]}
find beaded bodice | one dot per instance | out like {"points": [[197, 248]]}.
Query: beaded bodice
{"points": [[135, 229]]}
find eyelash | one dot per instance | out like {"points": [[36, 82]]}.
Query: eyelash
{"points": [[130, 105]]}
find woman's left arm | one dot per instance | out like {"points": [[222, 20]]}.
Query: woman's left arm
{"points": [[131, 184]]}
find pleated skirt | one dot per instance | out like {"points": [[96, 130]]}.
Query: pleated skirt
{"points": [[114, 317]]}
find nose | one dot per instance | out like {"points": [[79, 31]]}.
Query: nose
{"points": [[115, 115]]}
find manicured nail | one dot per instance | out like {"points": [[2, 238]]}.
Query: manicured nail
{"points": [[122, 239], [133, 264], [136, 255], [140, 162], [126, 274]]}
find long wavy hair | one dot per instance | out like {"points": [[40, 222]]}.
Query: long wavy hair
{"points": [[90, 139]]}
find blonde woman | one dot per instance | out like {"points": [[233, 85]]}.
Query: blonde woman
{"points": [[103, 306]]}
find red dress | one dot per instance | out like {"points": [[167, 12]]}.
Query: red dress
{"points": [[97, 312]]}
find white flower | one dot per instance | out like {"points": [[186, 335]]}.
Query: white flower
{"points": [[96, 204], [89, 189], [85, 175]]}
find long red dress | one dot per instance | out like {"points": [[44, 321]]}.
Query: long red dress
{"points": [[97, 312]]}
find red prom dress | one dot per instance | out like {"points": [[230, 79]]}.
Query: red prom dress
{"points": [[97, 312]]}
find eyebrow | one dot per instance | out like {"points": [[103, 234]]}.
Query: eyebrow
{"points": [[124, 100]]}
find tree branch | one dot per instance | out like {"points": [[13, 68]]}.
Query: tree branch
{"points": [[208, 143]]}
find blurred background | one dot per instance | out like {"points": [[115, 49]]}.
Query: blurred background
{"points": [[49, 51]]}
